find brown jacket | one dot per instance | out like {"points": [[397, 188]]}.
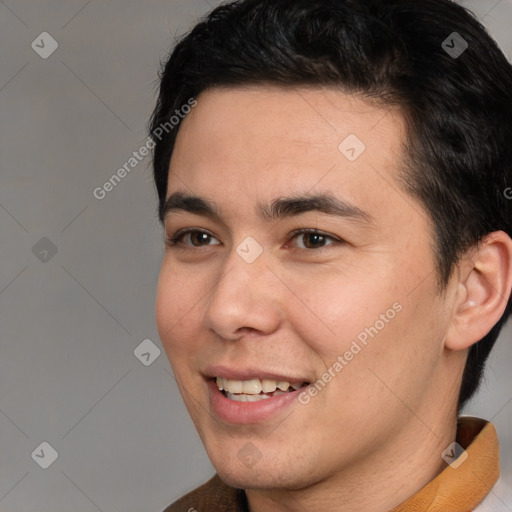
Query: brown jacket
{"points": [[453, 490]]}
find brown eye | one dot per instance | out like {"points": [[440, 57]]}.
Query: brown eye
{"points": [[191, 238], [312, 239], [199, 238]]}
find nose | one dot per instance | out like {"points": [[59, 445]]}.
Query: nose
{"points": [[245, 298]]}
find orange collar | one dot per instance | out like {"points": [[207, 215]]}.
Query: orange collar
{"points": [[463, 488]]}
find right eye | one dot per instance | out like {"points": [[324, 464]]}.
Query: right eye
{"points": [[190, 238]]}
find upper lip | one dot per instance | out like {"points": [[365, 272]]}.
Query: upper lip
{"points": [[249, 374]]}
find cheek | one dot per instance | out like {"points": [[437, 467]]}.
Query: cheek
{"points": [[177, 303], [400, 353], [336, 310], [373, 321]]}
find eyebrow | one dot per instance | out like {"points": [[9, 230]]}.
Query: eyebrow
{"points": [[278, 208]]}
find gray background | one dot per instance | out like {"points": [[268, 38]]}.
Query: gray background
{"points": [[69, 324]]}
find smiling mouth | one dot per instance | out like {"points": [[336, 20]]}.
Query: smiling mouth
{"points": [[255, 389]]}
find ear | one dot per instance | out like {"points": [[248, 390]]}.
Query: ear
{"points": [[484, 283]]}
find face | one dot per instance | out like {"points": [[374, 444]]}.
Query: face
{"points": [[295, 260]]}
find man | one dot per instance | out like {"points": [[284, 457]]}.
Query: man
{"points": [[338, 261]]}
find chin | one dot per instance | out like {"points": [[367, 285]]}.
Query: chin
{"points": [[262, 476], [259, 479]]}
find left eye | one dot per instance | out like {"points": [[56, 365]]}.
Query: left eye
{"points": [[312, 239]]}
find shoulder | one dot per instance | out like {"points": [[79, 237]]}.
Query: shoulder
{"points": [[212, 496]]}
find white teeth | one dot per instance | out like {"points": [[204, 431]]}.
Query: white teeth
{"points": [[267, 385], [234, 386], [246, 398], [283, 385], [251, 387], [254, 386]]}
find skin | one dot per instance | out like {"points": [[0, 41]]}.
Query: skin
{"points": [[374, 435]]}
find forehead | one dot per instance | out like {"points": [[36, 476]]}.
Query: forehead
{"points": [[259, 142]]}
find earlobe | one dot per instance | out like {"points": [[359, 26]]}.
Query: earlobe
{"points": [[485, 282]]}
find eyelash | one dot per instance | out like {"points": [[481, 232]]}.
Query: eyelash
{"points": [[176, 239]]}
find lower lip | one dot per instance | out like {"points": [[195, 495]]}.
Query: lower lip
{"points": [[244, 413]]}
